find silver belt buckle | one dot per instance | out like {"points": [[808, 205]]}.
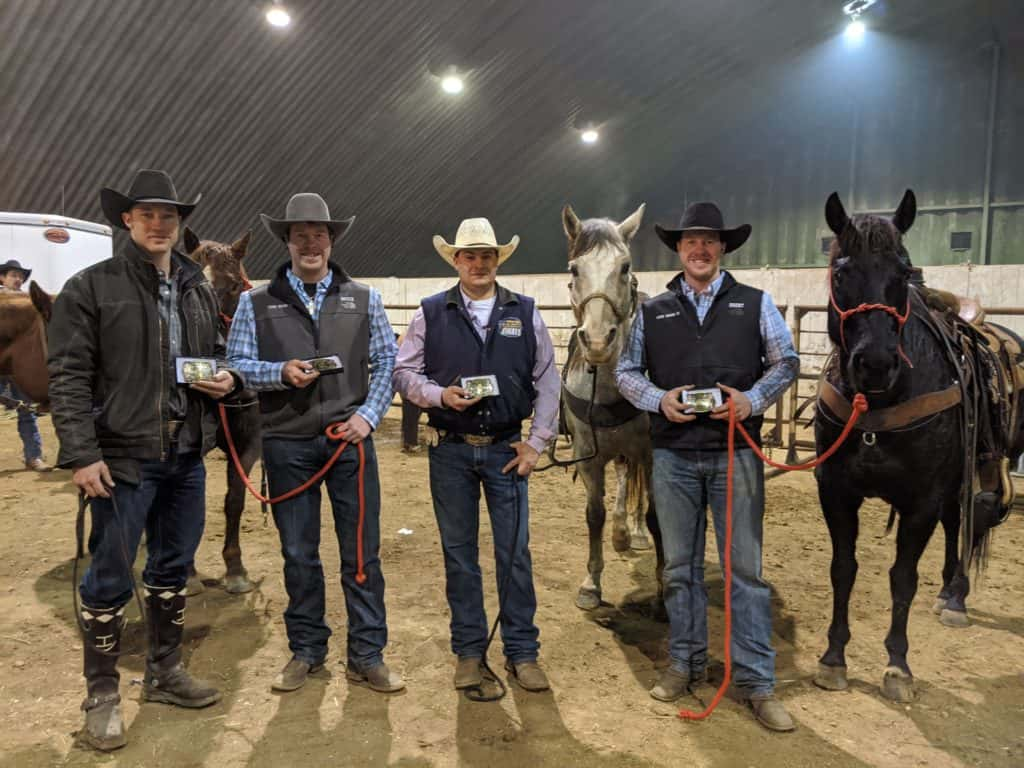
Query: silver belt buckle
{"points": [[478, 441]]}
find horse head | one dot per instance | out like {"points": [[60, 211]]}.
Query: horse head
{"points": [[869, 293], [222, 265], [602, 289], [23, 349]]}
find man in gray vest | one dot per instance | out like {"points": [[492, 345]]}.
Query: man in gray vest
{"points": [[710, 332], [320, 350]]}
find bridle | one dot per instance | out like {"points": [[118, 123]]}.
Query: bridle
{"points": [[901, 320]]}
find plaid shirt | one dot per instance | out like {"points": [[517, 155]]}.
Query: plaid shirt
{"points": [[781, 361], [243, 350]]}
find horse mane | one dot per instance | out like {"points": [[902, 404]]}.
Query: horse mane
{"points": [[17, 316], [595, 233], [879, 233]]}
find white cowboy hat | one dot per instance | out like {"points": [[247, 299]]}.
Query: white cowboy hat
{"points": [[474, 235]]}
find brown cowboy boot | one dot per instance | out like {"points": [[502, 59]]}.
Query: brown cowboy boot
{"points": [[166, 680], [104, 727]]}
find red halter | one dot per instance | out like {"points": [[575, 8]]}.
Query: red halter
{"points": [[845, 313], [226, 319]]}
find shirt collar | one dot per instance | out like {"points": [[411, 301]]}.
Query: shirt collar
{"points": [[466, 300], [298, 285], [711, 290]]}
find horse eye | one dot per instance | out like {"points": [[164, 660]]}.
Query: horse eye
{"points": [[573, 271], [625, 270]]}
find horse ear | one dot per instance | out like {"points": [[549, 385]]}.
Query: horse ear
{"points": [[570, 223], [629, 226], [835, 214], [191, 241], [42, 301], [241, 246], [903, 219]]}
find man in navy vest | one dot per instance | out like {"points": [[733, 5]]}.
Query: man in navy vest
{"points": [[310, 310], [480, 329], [708, 331]]}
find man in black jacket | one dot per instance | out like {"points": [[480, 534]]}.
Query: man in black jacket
{"points": [[135, 439]]}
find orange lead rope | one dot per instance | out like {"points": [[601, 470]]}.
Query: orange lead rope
{"points": [[333, 432], [860, 405]]}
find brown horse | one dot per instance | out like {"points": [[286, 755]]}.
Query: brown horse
{"points": [[23, 349], [222, 265]]}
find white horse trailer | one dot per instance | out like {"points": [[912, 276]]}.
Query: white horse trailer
{"points": [[53, 247]]}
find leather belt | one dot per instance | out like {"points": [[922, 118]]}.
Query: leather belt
{"points": [[477, 441]]}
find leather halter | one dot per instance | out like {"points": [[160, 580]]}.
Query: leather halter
{"points": [[226, 319], [864, 307], [578, 308]]}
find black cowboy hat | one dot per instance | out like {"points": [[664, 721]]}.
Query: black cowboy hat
{"points": [[147, 187], [704, 216], [306, 207], [10, 264]]}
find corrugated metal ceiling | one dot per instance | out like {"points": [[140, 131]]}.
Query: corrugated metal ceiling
{"points": [[343, 102]]}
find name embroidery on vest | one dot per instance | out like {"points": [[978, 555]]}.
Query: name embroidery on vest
{"points": [[511, 327]]}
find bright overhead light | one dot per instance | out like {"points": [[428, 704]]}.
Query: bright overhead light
{"points": [[855, 31], [278, 17], [590, 136], [451, 84]]}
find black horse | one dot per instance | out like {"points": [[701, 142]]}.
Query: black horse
{"points": [[222, 263], [890, 350]]}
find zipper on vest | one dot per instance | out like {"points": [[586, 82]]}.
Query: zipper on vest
{"points": [[160, 389]]}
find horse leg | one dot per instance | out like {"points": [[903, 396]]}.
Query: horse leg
{"points": [[951, 605], [620, 531], [841, 515], [236, 578], [659, 610], [589, 595], [912, 537]]}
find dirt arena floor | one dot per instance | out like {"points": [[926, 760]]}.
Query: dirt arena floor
{"points": [[969, 711]]}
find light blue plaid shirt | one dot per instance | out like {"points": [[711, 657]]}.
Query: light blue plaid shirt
{"points": [[782, 363], [243, 351]]}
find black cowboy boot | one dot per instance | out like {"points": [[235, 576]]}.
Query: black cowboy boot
{"points": [[104, 728], [166, 680]]}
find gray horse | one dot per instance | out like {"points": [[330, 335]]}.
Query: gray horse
{"points": [[603, 425]]}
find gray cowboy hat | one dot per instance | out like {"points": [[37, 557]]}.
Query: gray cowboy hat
{"points": [[704, 216], [306, 207], [147, 186], [10, 264]]}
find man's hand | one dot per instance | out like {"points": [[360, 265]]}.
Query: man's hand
{"points": [[217, 387], [93, 480], [526, 458], [356, 429], [454, 397], [674, 409], [742, 402], [298, 374]]}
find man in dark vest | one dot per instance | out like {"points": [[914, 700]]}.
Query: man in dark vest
{"points": [[134, 435], [710, 332], [480, 329], [282, 338]]}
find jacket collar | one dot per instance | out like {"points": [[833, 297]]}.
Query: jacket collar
{"points": [[503, 296], [186, 271], [281, 289], [676, 284]]}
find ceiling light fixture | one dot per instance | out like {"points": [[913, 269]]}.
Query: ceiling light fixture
{"points": [[452, 84], [589, 136], [856, 28], [278, 17]]}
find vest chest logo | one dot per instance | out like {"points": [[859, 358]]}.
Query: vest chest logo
{"points": [[511, 327], [736, 307], [347, 302], [667, 315], [277, 306]]}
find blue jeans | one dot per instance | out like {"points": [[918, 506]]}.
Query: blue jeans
{"points": [[457, 471], [169, 503], [28, 429], [290, 463], [684, 486]]}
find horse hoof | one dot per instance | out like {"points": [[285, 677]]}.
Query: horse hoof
{"points": [[951, 618], [587, 600], [897, 685], [639, 542], [939, 606], [194, 586], [237, 584], [620, 541], [831, 678]]}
